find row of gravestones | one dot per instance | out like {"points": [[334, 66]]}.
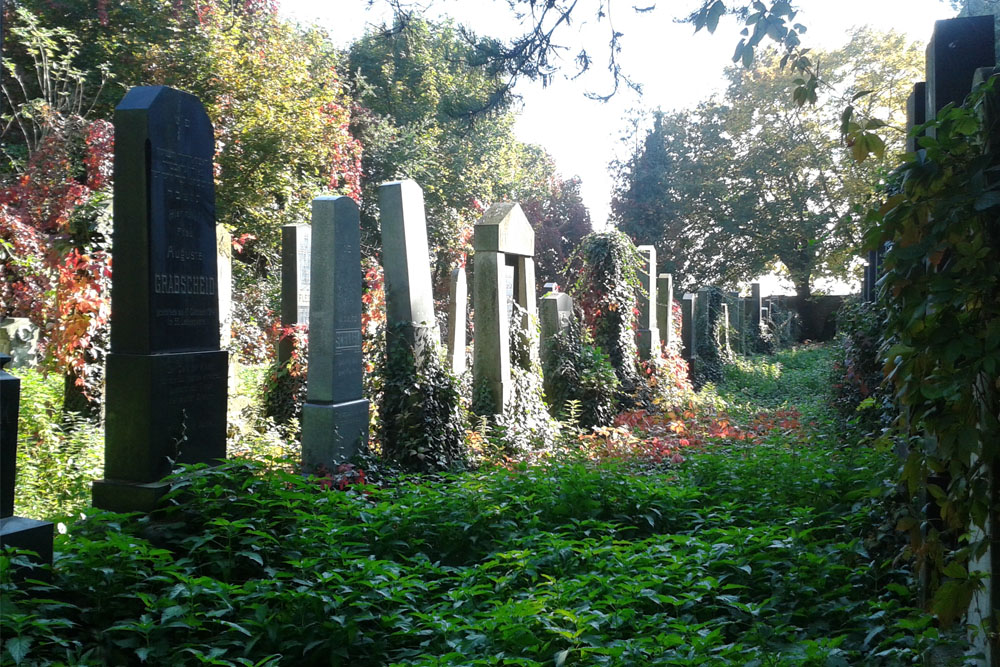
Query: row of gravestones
{"points": [[166, 375]]}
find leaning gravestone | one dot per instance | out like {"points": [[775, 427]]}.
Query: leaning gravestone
{"points": [[296, 248], [335, 414], [166, 376], [409, 299], [16, 531], [647, 335]]}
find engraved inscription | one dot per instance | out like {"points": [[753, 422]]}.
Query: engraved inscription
{"points": [[347, 338]]}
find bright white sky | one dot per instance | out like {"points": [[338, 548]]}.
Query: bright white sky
{"points": [[675, 67]]}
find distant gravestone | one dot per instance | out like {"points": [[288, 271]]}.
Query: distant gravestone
{"points": [[458, 293], [16, 531], [689, 333], [665, 309], [753, 307], [296, 252], [916, 114], [505, 246], [555, 312], [166, 376], [647, 335], [335, 414], [409, 297], [19, 339]]}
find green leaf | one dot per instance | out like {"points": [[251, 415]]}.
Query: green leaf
{"points": [[955, 570], [18, 648], [988, 199]]}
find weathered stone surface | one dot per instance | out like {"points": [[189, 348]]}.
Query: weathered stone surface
{"points": [[647, 335], [458, 303], [505, 229], [166, 376], [19, 339], [491, 352], [332, 425], [409, 299], [555, 315]]}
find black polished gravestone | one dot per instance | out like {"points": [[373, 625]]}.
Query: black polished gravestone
{"points": [[957, 49], [166, 377], [16, 531]]}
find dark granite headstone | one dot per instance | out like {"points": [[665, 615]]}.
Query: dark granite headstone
{"points": [[16, 531], [166, 377], [957, 49]]}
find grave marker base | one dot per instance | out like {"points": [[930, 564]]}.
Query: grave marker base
{"points": [[332, 432], [31, 534], [118, 495]]}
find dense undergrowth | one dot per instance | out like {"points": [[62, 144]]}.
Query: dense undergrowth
{"points": [[771, 542]]}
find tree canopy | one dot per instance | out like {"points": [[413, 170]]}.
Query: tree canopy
{"points": [[728, 189]]}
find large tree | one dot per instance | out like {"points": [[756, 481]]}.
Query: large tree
{"points": [[730, 188]]}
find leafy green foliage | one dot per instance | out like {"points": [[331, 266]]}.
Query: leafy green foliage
{"points": [[58, 454], [421, 418], [607, 268], [857, 377], [579, 377], [942, 329]]}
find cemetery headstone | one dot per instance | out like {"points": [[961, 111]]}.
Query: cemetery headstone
{"points": [[458, 292], [505, 244], [958, 47], [647, 335], [689, 338], [665, 308], [296, 252], [166, 376], [555, 314], [755, 306], [19, 339], [335, 414], [916, 114], [16, 531], [409, 299]]}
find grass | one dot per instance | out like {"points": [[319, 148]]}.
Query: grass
{"points": [[778, 551]]}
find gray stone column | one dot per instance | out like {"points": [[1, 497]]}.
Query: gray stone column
{"points": [[335, 415], [458, 292], [689, 336]]}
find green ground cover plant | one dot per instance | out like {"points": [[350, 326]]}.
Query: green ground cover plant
{"points": [[767, 545]]}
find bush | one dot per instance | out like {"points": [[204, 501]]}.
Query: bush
{"points": [[857, 376], [576, 370], [58, 454], [422, 423], [285, 387]]}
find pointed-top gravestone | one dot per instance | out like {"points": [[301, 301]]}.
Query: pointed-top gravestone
{"points": [[166, 376], [409, 298], [335, 414], [504, 273]]}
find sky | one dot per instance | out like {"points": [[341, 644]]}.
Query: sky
{"points": [[675, 67]]}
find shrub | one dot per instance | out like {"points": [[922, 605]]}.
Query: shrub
{"points": [[577, 371], [285, 387], [856, 377], [58, 454], [422, 422]]}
